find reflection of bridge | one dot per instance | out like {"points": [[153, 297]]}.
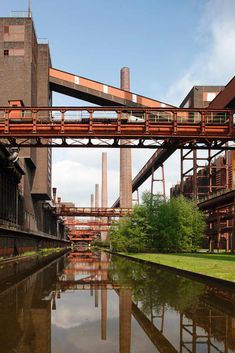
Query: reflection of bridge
{"points": [[201, 325], [97, 279], [29, 299]]}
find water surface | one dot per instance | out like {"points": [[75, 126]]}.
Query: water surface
{"points": [[90, 302]]}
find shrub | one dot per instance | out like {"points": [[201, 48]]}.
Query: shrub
{"points": [[175, 225]]}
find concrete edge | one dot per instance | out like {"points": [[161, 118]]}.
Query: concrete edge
{"points": [[22, 257], [192, 275]]}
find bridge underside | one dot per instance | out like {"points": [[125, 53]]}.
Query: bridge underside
{"points": [[158, 158]]}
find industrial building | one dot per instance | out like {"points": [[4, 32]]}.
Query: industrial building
{"points": [[27, 82], [24, 72], [210, 179]]}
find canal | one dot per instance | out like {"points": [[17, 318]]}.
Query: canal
{"points": [[91, 302]]}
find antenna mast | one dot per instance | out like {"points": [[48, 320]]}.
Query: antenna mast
{"points": [[29, 11]]}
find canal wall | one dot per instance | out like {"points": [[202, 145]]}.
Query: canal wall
{"points": [[15, 241], [15, 271], [189, 274]]}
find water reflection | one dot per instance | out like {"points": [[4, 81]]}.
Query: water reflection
{"points": [[90, 302]]}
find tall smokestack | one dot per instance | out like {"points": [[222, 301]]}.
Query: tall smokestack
{"points": [[92, 200], [54, 195], [97, 195], [29, 9], [104, 191], [125, 155]]}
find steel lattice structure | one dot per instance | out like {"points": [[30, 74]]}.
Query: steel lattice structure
{"points": [[107, 126]]}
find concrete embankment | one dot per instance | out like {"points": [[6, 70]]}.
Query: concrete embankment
{"points": [[15, 241]]}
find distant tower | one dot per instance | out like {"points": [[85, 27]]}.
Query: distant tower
{"points": [[97, 201], [125, 156], [29, 10], [104, 192]]}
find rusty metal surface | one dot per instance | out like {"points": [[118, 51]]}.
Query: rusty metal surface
{"points": [[52, 127], [97, 92], [92, 212], [226, 97]]}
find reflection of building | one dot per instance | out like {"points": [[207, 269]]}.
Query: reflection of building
{"points": [[209, 328], [87, 270], [25, 307]]}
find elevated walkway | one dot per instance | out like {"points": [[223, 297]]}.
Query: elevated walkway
{"points": [[92, 212], [97, 92]]}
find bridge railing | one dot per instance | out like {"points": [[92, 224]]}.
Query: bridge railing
{"points": [[92, 211], [112, 114], [112, 121]]}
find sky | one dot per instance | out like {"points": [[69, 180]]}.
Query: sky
{"points": [[169, 46]]}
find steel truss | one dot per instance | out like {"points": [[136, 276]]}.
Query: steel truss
{"points": [[114, 143], [203, 176], [107, 126]]}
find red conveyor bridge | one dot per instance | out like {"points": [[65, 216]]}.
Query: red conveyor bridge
{"points": [[106, 126]]}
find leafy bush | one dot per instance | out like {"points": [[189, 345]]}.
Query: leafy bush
{"points": [[175, 225]]}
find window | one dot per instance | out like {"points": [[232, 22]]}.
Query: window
{"points": [[14, 52], [209, 96], [14, 33]]}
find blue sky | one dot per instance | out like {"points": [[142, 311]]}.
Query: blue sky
{"points": [[95, 38], [169, 45]]}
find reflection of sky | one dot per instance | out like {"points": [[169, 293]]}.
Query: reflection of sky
{"points": [[77, 307], [76, 325], [86, 339]]}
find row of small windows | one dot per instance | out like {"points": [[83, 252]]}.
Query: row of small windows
{"points": [[13, 52]]}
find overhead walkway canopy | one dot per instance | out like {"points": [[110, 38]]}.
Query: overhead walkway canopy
{"points": [[97, 92]]}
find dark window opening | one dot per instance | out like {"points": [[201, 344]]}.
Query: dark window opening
{"points": [[6, 52], [6, 29]]}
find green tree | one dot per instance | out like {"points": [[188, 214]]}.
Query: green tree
{"points": [[175, 225]]}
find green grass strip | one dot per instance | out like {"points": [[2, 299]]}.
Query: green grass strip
{"points": [[215, 265]]}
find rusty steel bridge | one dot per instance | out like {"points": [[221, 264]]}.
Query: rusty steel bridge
{"points": [[140, 127]]}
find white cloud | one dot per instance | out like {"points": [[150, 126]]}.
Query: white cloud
{"points": [[215, 64], [76, 171], [76, 181]]}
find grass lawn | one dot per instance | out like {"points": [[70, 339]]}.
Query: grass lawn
{"points": [[215, 265]]}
